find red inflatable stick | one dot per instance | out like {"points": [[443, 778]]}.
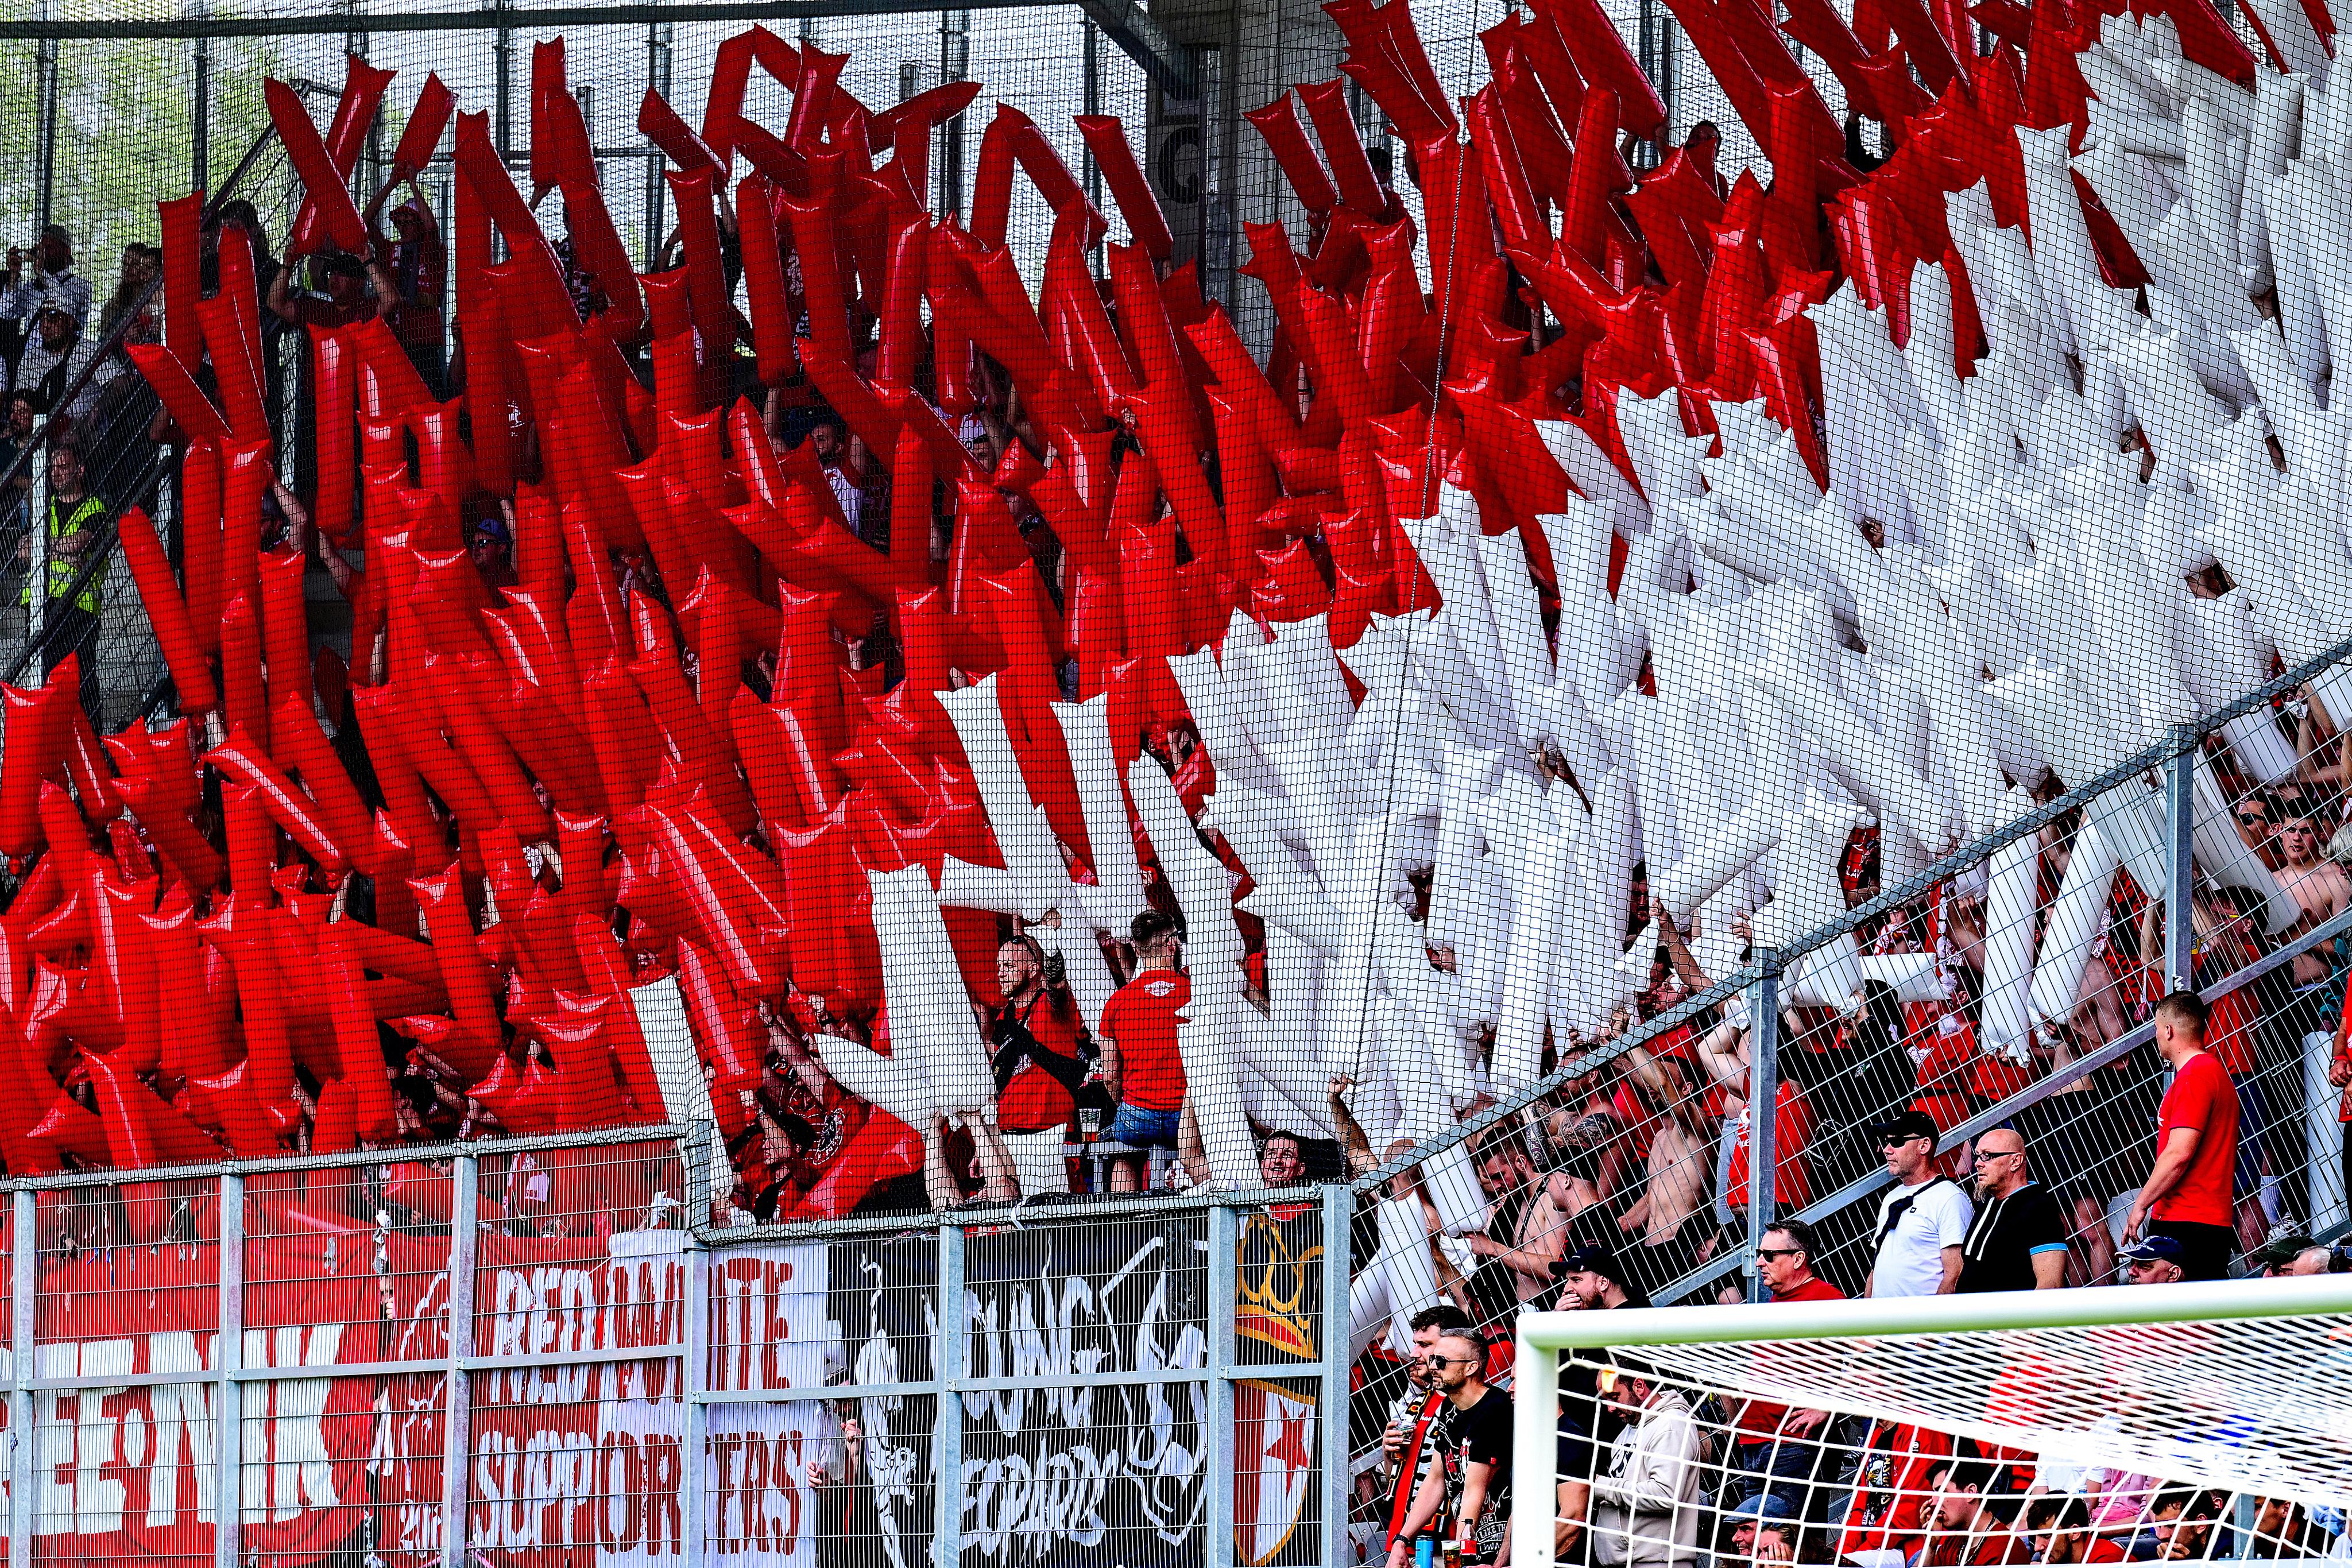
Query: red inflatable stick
{"points": [[1603, 60], [764, 278], [659, 124], [723, 1022], [243, 761], [597, 246], [421, 135], [1385, 55], [361, 1059], [167, 612], [328, 197], [1285, 138], [1343, 147], [1013, 138], [1107, 140], [347, 134], [181, 223], [182, 398]]}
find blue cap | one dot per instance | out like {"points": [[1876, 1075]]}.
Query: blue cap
{"points": [[2154, 1250]]}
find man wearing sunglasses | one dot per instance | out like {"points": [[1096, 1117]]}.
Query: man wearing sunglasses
{"points": [[2018, 1240], [1923, 1220], [1467, 1481], [1774, 1446]]}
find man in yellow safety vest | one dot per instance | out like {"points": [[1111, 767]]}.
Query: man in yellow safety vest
{"points": [[77, 520]]}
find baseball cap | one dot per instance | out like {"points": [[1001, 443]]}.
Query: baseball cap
{"points": [[1906, 1125], [344, 263], [2278, 1251], [2154, 1250], [1763, 1505], [1590, 1258]]}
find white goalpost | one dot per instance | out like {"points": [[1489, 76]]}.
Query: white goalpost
{"points": [[2185, 1422]]}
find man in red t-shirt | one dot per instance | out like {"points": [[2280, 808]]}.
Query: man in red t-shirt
{"points": [[1793, 1131], [346, 280], [1033, 1043], [1141, 1063], [2063, 1526], [2187, 1195], [1962, 1532], [1778, 1447]]}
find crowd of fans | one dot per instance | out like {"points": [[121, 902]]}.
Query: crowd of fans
{"points": [[1646, 1156], [1650, 1469], [1621, 1181]]}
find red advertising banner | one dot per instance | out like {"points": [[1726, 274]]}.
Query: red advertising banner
{"points": [[572, 1463]]}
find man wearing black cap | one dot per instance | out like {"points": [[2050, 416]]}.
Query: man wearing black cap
{"points": [[1591, 1279], [1593, 1275], [346, 282], [1923, 1220]]}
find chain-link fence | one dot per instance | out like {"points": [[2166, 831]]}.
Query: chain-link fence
{"points": [[1592, 633]]}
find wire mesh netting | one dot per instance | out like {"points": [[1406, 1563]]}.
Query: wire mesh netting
{"points": [[2088, 1442], [1605, 625]]}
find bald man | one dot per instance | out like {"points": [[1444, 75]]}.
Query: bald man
{"points": [[2018, 1239]]}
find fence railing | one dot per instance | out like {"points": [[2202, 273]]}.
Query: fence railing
{"points": [[539, 1347], [2169, 812]]}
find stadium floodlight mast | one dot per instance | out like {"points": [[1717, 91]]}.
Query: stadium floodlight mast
{"points": [[2239, 1385]]}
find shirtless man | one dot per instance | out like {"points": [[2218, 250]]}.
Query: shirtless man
{"points": [[1681, 1153], [2317, 883], [1541, 1240]]}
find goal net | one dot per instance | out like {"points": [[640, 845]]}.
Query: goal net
{"points": [[2186, 1422]]}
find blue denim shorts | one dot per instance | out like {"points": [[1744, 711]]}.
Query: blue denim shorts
{"points": [[1140, 1127]]}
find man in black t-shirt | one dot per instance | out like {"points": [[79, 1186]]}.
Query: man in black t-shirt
{"points": [[2018, 1239], [1469, 1478]]}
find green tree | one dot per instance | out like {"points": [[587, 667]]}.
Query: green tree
{"points": [[125, 134]]}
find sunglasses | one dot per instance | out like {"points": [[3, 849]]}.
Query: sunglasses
{"points": [[1898, 1142], [1778, 1251]]}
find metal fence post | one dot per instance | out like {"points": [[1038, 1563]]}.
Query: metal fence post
{"points": [[200, 112], [24, 1287], [1092, 93], [696, 1365], [1334, 1341], [659, 37], [45, 133], [1217, 1442], [457, 1395], [36, 568], [502, 110], [947, 1423], [2179, 871], [955, 64], [228, 1356], [1763, 1109]]}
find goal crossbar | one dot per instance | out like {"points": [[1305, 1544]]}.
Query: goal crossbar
{"points": [[2067, 1351]]}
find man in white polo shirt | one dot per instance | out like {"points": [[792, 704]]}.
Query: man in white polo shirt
{"points": [[1923, 1220]]}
